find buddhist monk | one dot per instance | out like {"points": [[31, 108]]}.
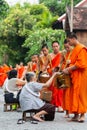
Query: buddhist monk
{"points": [[6, 70], [55, 61], [1, 75], [31, 65], [20, 70], [44, 59], [65, 61], [78, 71], [44, 62]]}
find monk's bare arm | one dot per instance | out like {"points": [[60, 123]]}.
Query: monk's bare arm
{"points": [[68, 69]]}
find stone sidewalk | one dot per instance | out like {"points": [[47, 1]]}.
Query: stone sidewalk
{"points": [[8, 121]]}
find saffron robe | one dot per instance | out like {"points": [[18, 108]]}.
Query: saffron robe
{"points": [[1, 76], [32, 67], [44, 62], [78, 94], [66, 91], [6, 70], [57, 94], [20, 71]]}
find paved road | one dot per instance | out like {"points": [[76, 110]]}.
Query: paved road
{"points": [[8, 121]]}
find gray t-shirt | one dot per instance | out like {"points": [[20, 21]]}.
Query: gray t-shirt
{"points": [[29, 97]]}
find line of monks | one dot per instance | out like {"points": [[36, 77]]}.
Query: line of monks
{"points": [[72, 60]]}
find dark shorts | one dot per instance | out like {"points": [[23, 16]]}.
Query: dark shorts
{"points": [[9, 98], [50, 109]]}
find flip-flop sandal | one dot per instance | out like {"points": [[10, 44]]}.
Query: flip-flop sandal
{"points": [[81, 121], [20, 121], [60, 111], [34, 122], [73, 120], [33, 119]]}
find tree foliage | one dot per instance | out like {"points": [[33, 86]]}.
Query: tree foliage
{"points": [[4, 7], [58, 7], [19, 25], [41, 36]]}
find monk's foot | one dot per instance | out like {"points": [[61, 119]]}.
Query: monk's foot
{"points": [[60, 109], [36, 118], [82, 118], [75, 118], [66, 116]]}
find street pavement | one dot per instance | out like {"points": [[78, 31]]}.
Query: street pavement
{"points": [[8, 121]]}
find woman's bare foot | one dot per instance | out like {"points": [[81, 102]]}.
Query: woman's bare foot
{"points": [[37, 118]]}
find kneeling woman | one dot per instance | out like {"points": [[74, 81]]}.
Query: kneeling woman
{"points": [[30, 98], [11, 88]]}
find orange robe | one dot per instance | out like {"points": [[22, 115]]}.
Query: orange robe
{"points": [[31, 67], [1, 76], [6, 70], [34, 67], [20, 71], [66, 92], [54, 63], [57, 94], [78, 96], [44, 62]]}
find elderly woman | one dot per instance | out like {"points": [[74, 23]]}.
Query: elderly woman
{"points": [[11, 88], [30, 98]]}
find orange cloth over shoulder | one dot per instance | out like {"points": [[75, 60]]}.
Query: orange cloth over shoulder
{"points": [[1, 76], [54, 63], [57, 94], [6, 70], [66, 92], [78, 96], [44, 62], [20, 71]]}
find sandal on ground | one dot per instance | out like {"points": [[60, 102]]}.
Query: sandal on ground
{"points": [[34, 122], [81, 119], [75, 118], [20, 121], [60, 110], [34, 119], [67, 116]]}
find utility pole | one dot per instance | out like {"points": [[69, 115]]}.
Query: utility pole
{"points": [[71, 24]]}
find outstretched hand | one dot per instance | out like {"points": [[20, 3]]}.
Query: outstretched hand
{"points": [[65, 71]]}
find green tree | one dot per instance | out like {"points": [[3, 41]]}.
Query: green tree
{"points": [[42, 15], [14, 34], [57, 7], [34, 41], [19, 25], [4, 7]]}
